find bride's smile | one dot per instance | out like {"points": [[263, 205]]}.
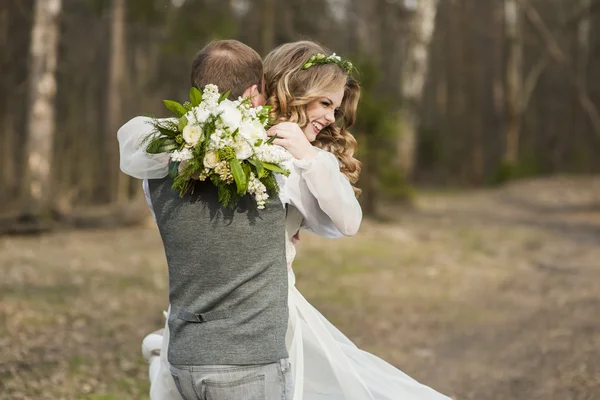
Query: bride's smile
{"points": [[321, 112]]}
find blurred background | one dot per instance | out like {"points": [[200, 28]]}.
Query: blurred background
{"points": [[475, 270]]}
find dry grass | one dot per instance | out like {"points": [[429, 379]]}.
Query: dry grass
{"points": [[488, 295]]}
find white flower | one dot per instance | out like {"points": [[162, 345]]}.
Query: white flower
{"points": [[210, 93], [211, 159], [272, 154], [230, 115], [182, 155], [259, 191], [253, 131], [198, 115], [242, 148], [192, 134]]}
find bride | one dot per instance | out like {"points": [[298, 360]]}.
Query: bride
{"points": [[308, 93]]}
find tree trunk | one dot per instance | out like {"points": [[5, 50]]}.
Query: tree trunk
{"points": [[476, 83], [267, 30], [9, 176], [119, 183], [578, 142], [413, 81], [514, 80], [7, 148], [40, 121]]}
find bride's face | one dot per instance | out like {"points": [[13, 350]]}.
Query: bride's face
{"points": [[321, 112]]}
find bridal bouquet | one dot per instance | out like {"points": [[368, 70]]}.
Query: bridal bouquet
{"points": [[222, 141]]}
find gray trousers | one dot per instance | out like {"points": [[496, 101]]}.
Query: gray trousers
{"points": [[232, 382]]}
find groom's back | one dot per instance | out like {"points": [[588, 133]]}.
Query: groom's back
{"points": [[227, 277]]}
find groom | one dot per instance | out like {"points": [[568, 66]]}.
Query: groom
{"points": [[227, 269]]}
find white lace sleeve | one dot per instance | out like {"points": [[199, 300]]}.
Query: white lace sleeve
{"points": [[324, 196], [135, 161], [146, 190]]}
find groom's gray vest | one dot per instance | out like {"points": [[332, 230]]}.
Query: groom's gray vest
{"points": [[227, 277]]}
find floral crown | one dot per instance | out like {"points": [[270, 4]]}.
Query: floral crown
{"points": [[321, 58]]}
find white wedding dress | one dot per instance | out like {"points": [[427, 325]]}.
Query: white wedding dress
{"points": [[326, 365]]}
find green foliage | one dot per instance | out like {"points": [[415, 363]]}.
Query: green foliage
{"points": [[161, 144], [167, 124], [195, 96], [177, 109], [379, 125], [260, 169], [98, 7], [227, 195], [173, 169], [167, 132], [508, 172], [271, 184], [183, 121], [395, 185], [275, 168], [167, 137], [224, 96], [320, 59], [264, 118], [428, 147], [182, 184], [226, 153], [528, 166], [241, 180]]}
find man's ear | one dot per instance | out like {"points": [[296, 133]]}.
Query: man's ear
{"points": [[253, 94], [248, 92]]}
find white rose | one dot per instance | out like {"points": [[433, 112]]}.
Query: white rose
{"points": [[192, 134], [211, 159], [243, 150], [231, 116], [253, 131]]}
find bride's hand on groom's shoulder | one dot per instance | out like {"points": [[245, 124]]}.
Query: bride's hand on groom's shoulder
{"points": [[290, 136]]}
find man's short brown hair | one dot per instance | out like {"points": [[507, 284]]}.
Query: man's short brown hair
{"points": [[229, 64]]}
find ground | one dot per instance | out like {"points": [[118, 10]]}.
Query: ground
{"points": [[483, 295]]}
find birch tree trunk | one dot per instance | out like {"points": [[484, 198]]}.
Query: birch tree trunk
{"points": [[413, 81], [40, 119], [514, 80], [118, 185]]}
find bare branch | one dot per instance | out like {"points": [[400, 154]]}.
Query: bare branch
{"points": [[555, 51], [532, 79], [588, 106], [551, 43], [582, 12]]}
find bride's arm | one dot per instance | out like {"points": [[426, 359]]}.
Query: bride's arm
{"points": [[324, 196], [134, 160]]}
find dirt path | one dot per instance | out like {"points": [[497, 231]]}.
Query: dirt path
{"points": [[542, 338], [488, 295]]}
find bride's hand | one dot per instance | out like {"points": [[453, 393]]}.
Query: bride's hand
{"points": [[290, 136]]}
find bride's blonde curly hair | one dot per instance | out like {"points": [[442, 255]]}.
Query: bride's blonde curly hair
{"points": [[289, 89]]}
